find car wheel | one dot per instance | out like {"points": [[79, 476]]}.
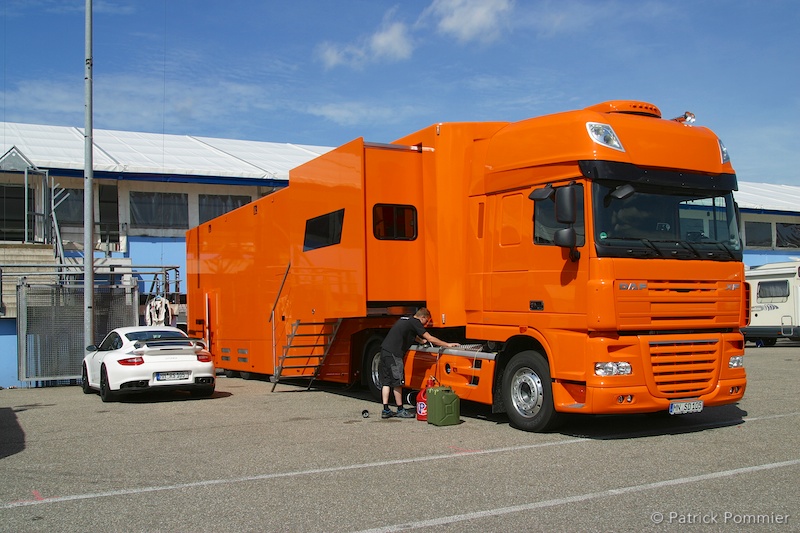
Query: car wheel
{"points": [[85, 381], [106, 394], [528, 392]]}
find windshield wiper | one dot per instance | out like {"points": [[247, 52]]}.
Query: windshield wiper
{"points": [[652, 246], [726, 248], [691, 247]]}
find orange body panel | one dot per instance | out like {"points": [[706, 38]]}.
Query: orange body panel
{"points": [[459, 197]]}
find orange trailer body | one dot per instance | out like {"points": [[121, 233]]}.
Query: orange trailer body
{"points": [[527, 241]]}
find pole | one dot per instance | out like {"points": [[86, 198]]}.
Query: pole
{"points": [[88, 192]]}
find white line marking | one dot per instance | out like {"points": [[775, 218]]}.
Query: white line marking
{"points": [[210, 482], [578, 498]]}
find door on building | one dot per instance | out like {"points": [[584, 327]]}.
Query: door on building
{"points": [[13, 213]]}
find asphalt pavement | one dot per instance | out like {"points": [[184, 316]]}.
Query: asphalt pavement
{"points": [[248, 459]]}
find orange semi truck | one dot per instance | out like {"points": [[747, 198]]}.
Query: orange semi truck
{"points": [[586, 261]]}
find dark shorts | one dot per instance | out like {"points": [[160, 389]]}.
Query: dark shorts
{"points": [[390, 370]]}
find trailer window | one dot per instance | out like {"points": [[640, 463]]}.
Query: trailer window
{"points": [[773, 291], [394, 222], [322, 231]]}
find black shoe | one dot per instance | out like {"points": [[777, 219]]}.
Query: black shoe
{"points": [[405, 413], [387, 413]]}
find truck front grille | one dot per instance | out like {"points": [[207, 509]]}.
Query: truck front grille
{"points": [[684, 368]]}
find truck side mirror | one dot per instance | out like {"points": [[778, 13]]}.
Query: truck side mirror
{"points": [[565, 205], [566, 238]]}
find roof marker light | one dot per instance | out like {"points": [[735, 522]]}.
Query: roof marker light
{"points": [[686, 118], [604, 134]]}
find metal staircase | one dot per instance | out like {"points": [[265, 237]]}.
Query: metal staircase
{"points": [[306, 351]]}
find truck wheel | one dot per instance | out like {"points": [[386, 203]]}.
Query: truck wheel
{"points": [[771, 341], [528, 392], [372, 358]]}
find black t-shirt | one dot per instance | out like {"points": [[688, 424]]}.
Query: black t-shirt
{"points": [[402, 335]]}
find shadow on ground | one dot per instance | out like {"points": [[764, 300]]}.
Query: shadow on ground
{"points": [[12, 438], [601, 427]]}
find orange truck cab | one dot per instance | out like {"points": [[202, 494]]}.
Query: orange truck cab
{"points": [[587, 262]]}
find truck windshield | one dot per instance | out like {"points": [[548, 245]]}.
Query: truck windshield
{"points": [[634, 220]]}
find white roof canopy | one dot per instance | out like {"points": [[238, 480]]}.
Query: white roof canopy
{"points": [[61, 147]]}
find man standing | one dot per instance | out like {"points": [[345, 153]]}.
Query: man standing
{"points": [[403, 334]]}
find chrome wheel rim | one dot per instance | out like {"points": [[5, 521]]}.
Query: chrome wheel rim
{"points": [[527, 394], [374, 372]]}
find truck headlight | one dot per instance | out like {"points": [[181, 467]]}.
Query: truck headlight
{"points": [[619, 368], [604, 134], [737, 361]]}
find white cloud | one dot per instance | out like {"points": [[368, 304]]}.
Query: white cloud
{"points": [[550, 18], [470, 20], [392, 41], [356, 113]]}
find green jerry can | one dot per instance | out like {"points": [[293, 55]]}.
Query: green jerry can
{"points": [[444, 408]]}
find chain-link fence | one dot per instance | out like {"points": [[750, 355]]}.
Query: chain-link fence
{"points": [[50, 326]]}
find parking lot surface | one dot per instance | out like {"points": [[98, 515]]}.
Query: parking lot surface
{"points": [[248, 459]]}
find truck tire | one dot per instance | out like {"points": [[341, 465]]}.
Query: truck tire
{"points": [[371, 359], [528, 392]]}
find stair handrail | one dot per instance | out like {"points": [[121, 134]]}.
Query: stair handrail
{"points": [[280, 290], [59, 243], [272, 315]]}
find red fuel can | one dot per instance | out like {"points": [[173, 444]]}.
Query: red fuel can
{"points": [[422, 400], [422, 405]]}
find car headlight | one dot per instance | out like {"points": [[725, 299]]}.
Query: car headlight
{"points": [[610, 368], [736, 361]]}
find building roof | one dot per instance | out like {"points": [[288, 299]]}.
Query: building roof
{"points": [[125, 154], [768, 197]]}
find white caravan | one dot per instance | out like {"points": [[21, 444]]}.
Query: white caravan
{"points": [[774, 302]]}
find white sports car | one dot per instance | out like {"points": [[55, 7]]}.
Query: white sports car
{"points": [[143, 358]]}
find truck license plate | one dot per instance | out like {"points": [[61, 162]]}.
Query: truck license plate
{"points": [[682, 408], [171, 376]]}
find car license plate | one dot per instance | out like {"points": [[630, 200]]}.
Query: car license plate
{"points": [[171, 376], [682, 408]]}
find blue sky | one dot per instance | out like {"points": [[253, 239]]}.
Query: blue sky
{"points": [[325, 72]]}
